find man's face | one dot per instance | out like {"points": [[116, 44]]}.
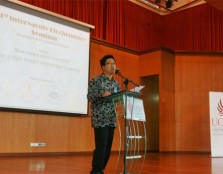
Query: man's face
{"points": [[109, 67]]}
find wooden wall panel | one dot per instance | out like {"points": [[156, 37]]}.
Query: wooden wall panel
{"points": [[81, 135], [150, 63], [54, 130], [167, 71], [16, 131], [167, 103], [194, 137], [192, 72], [195, 76], [216, 77]]}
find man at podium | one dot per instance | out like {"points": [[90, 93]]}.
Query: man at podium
{"points": [[103, 112]]}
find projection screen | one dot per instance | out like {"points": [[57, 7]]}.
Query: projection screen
{"points": [[44, 60]]}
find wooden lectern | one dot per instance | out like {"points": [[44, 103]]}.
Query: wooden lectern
{"points": [[129, 107]]}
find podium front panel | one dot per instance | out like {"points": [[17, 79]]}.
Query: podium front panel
{"points": [[134, 108]]}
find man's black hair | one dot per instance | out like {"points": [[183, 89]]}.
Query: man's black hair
{"points": [[103, 60]]}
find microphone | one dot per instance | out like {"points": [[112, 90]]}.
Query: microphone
{"points": [[126, 79], [117, 71]]}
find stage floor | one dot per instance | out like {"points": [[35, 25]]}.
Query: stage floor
{"points": [[155, 163]]}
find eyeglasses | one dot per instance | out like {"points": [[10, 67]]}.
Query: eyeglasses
{"points": [[111, 63]]}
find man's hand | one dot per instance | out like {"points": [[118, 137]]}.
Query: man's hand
{"points": [[107, 93]]}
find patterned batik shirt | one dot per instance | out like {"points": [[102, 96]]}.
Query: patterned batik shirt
{"points": [[103, 111]]}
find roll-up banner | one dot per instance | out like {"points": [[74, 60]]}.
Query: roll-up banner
{"points": [[216, 123]]}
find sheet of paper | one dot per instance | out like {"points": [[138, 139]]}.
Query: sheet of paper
{"points": [[137, 88]]}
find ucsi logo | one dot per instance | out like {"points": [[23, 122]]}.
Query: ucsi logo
{"points": [[218, 121], [220, 108]]}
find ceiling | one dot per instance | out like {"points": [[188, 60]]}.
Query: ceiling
{"points": [[216, 3], [161, 6]]}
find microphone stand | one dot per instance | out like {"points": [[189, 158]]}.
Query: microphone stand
{"points": [[126, 82]]}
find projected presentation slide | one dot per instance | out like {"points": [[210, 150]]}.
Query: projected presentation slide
{"points": [[44, 64]]}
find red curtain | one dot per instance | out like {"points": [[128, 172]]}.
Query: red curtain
{"points": [[196, 29], [88, 11], [126, 24], [142, 28]]}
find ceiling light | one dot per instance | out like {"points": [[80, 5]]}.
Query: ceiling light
{"points": [[169, 3]]}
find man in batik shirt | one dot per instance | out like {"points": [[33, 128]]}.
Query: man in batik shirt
{"points": [[103, 112]]}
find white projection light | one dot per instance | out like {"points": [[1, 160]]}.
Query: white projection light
{"points": [[44, 61]]}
